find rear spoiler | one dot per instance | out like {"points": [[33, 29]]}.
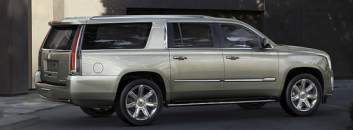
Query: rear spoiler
{"points": [[58, 23], [70, 21]]}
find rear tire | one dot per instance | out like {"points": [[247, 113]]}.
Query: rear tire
{"points": [[302, 95], [140, 102], [251, 106], [98, 112]]}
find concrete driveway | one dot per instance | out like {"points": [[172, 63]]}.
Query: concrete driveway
{"points": [[331, 116]]}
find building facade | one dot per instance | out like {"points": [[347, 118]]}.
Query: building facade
{"points": [[325, 25]]}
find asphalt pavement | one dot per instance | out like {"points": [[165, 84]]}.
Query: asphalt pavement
{"points": [[331, 116]]}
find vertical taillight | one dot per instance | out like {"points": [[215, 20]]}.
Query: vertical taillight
{"points": [[74, 51]]}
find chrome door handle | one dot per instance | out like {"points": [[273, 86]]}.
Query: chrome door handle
{"points": [[180, 57], [232, 57]]}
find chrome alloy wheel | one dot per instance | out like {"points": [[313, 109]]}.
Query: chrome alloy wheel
{"points": [[304, 95], [141, 102]]}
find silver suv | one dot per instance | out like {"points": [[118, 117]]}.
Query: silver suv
{"points": [[135, 65]]}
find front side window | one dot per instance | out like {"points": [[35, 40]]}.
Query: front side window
{"points": [[191, 35], [237, 36], [116, 36], [60, 37]]}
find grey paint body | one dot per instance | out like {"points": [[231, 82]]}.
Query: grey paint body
{"points": [[206, 73]]}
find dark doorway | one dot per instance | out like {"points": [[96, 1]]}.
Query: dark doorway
{"points": [[254, 18]]}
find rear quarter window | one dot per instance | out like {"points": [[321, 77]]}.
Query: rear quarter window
{"points": [[60, 37], [116, 36]]}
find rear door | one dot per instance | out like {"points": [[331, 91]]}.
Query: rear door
{"points": [[197, 68], [55, 54]]}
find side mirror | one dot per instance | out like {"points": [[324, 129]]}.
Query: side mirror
{"points": [[264, 44]]}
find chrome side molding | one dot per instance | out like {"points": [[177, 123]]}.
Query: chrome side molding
{"points": [[251, 80], [197, 80], [231, 80], [220, 103]]}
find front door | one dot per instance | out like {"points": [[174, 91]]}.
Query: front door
{"points": [[250, 71], [197, 68]]}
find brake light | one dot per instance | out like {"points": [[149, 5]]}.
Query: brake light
{"points": [[74, 47]]}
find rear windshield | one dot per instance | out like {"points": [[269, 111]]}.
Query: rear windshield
{"points": [[60, 38], [116, 36]]}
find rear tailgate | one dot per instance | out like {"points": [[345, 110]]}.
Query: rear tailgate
{"points": [[55, 55]]}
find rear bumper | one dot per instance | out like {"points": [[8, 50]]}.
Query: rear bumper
{"points": [[88, 91], [53, 92]]}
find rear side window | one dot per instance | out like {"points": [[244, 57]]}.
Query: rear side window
{"points": [[60, 38], [190, 35], [116, 36]]}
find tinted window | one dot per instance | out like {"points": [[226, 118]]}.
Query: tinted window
{"points": [[191, 35], [116, 36], [60, 38], [236, 36]]}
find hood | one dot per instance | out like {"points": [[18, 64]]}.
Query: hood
{"points": [[301, 49]]}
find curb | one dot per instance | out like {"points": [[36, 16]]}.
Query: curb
{"points": [[13, 122]]}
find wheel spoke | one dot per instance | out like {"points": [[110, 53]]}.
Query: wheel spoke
{"points": [[296, 88], [313, 102], [145, 111], [148, 95], [311, 96], [136, 113], [133, 95], [140, 90], [303, 83], [295, 97], [300, 105], [310, 87], [151, 104], [130, 105], [307, 103]]}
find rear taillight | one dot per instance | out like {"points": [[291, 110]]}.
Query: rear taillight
{"points": [[74, 51]]}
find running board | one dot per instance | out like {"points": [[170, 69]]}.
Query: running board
{"points": [[219, 103]]}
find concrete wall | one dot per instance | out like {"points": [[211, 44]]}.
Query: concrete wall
{"points": [[74, 8], [42, 13]]}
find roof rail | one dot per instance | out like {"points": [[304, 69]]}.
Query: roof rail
{"points": [[149, 16]]}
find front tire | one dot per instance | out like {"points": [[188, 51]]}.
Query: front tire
{"points": [[302, 96], [98, 112], [140, 102]]}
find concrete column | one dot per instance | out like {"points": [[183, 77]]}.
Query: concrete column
{"points": [[15, 48]]}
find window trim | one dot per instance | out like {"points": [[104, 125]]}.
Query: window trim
{"points": [[214, 35]]}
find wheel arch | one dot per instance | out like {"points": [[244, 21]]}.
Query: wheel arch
{"points": [[154, 76], [300, 70]]}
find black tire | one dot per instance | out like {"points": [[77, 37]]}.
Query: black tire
{"points": [[98, 112], [121, 107], [286, 101], [251, 106]]}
